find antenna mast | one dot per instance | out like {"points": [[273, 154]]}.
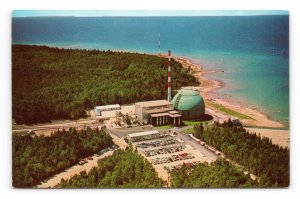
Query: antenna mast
{"points": [[158, 43]]}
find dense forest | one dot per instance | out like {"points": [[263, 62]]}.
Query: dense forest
{"points": [[124, 169], [219, 174], [128, 169], [257, 154], [53, 83], [38, 157]]}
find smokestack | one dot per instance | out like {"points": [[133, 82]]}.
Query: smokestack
{"points": [[169, 78]]}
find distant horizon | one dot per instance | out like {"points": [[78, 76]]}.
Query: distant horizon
{"points": [[142, 13]]}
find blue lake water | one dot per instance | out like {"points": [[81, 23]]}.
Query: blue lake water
{"points": [[252, 50]]}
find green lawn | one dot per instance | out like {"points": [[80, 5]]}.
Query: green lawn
{"points": [[163, 127], [228, 111], [192, 123], [188, 131]]}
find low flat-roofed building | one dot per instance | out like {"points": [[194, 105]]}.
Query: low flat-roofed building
{"points": [[158, 112], [170, 117], [145, 135], [99, 109], [143, 109]]}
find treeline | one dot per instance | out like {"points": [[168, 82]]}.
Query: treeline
{"points": [[257, 154], [35, 158], [219, 174], [52, 83], [124, 169]]}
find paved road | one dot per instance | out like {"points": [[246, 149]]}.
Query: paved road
{"points": [[209, 154], [217, 115], [55, 125], [188, 140]]}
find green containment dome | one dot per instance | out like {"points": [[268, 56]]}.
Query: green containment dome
{"points": [[190, 104]]}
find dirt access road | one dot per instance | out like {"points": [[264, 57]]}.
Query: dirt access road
{"points": [[72, 171], [76, 169]]}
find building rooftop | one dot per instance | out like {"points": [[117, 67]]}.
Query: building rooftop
{"points": [[108, 106], [175, 115], [158, 110], [166, 114], [159, 114], [143, 133], [154, 103], [173, 112]]}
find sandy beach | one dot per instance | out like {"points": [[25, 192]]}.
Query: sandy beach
{"points": [[278, 136]]}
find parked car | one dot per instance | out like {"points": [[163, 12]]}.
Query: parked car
{"points": [[82, 162], [90, 158]]}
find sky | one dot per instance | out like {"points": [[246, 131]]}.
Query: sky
{"points": [[98, 13]]}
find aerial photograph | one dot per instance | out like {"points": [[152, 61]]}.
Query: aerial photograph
{"points": [[150, 99]]}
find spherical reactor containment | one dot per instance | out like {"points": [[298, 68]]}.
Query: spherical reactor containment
{"points": [[190, 104]]}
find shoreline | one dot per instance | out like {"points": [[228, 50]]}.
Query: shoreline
{"points": [[209, 86], [278, 136], [207, 89]]}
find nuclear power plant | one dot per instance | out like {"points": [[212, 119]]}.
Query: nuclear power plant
{"points": [[187, 104]]}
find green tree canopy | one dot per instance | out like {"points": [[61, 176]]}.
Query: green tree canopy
{"points": [[53, 83], [124, 169], [39, 157], [257, 154]]}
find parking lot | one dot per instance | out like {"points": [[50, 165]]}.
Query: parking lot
{"points": [[164, 150], [173, 158], [155, 143], [170, 152]]}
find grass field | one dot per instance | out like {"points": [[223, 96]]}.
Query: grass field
{"points": [[188, 131], [228, 111], [192, 123], [163, 127]]}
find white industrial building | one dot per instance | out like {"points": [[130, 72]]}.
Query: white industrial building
{"points": [[100, 109], [145, 135]]}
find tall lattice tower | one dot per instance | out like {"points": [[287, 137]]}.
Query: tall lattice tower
{"points": [[158, 45]]}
